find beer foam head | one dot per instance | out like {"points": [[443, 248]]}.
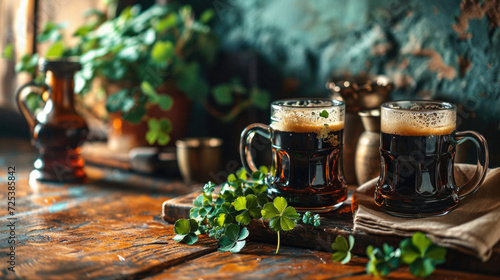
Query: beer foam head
{"points": [[418, 118], [307, 115]]}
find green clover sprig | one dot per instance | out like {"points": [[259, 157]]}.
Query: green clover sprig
{"points": [[280, 216]]}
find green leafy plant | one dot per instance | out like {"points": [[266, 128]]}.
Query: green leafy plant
{"points": [[280, 215], [309, 218], [421, 254], [382, 262], [233, 239], [145, 53], [186, 231], [224, 215], [342, 249], [418, 252]]}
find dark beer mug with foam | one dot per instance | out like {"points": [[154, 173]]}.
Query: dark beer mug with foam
{"points": [[418, 144], [306, 138]]}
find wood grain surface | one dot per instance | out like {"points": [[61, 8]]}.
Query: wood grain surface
{"points": [[258, 261], [111, 227]]}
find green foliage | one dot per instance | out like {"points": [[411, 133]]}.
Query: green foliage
{"points": [[237, 202], [186, 231], [421, 254], [233, 239], [27, 64], [162, 52], [51, 32], [158, 131], [8, 52], [418, 252], [342, 249], [382, 262], [280, 215], [207, 16], [324, 114], [309, 218], [240, 200], [236, 95], [55, 50]]}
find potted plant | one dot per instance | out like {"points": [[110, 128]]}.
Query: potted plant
{"points": [[151, 65]]}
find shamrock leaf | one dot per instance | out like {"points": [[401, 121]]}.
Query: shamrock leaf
{"points": [[158, 131], [233, 239], [342, 249], [324, 114], [209, 188], [308, 218], [280, 216], [186, 231], [421, 254], [202, 207], [382, 262], [242, 174], [250, 207]]}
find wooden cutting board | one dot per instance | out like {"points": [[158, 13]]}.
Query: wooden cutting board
{"points": [[336, 223]]}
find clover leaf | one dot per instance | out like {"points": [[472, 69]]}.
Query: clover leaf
{"points": [[158, 131], [233, 239], [186, 231], [280, 216], [342, 249], [324, 114], [382, 262], [308, 218], [421, 254], [250, 206]]}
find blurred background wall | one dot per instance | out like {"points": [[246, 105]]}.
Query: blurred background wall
{"points": [[447, 50]]}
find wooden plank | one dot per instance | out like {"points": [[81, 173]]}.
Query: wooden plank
{"points": [[107, 228], [110, 235], [333, 224], [258, 261], [99, 153]]}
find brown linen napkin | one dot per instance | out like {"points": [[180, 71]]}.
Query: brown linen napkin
{"points": [[472, 227]]}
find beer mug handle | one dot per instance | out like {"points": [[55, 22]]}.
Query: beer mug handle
{"points": [[246, 143], [482, 159]]}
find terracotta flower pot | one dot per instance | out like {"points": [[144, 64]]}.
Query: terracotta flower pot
{"points": [[124, 135]]}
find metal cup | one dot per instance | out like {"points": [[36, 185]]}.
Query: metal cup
{"points": [[198, 158]]}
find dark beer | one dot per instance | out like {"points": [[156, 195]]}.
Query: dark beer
{"points": [[417, 168], [307, 165]]}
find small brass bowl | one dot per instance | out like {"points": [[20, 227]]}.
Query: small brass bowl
{"points": [[362, 92]]}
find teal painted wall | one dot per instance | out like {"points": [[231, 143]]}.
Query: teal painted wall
{"points": [[447, 50]]}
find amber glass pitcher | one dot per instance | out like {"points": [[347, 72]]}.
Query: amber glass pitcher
{"points": [[57, 129]]}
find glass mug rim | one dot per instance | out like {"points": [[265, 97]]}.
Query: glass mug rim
{"points": [[328, 103], [447, 106]]}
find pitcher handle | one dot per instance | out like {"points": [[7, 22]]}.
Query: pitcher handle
{"points": [[246, 144], [482, 159], [21, 97]]}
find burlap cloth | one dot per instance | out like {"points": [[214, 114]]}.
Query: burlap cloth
{"points": [[472, 227]]}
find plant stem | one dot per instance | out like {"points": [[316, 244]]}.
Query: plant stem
{"points": [[278, 248]]}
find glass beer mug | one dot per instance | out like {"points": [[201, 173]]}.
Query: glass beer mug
{"points": [[306, 139], [418, 144]]}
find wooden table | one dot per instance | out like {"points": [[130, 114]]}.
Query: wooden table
{"points": [[111, 228]]}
